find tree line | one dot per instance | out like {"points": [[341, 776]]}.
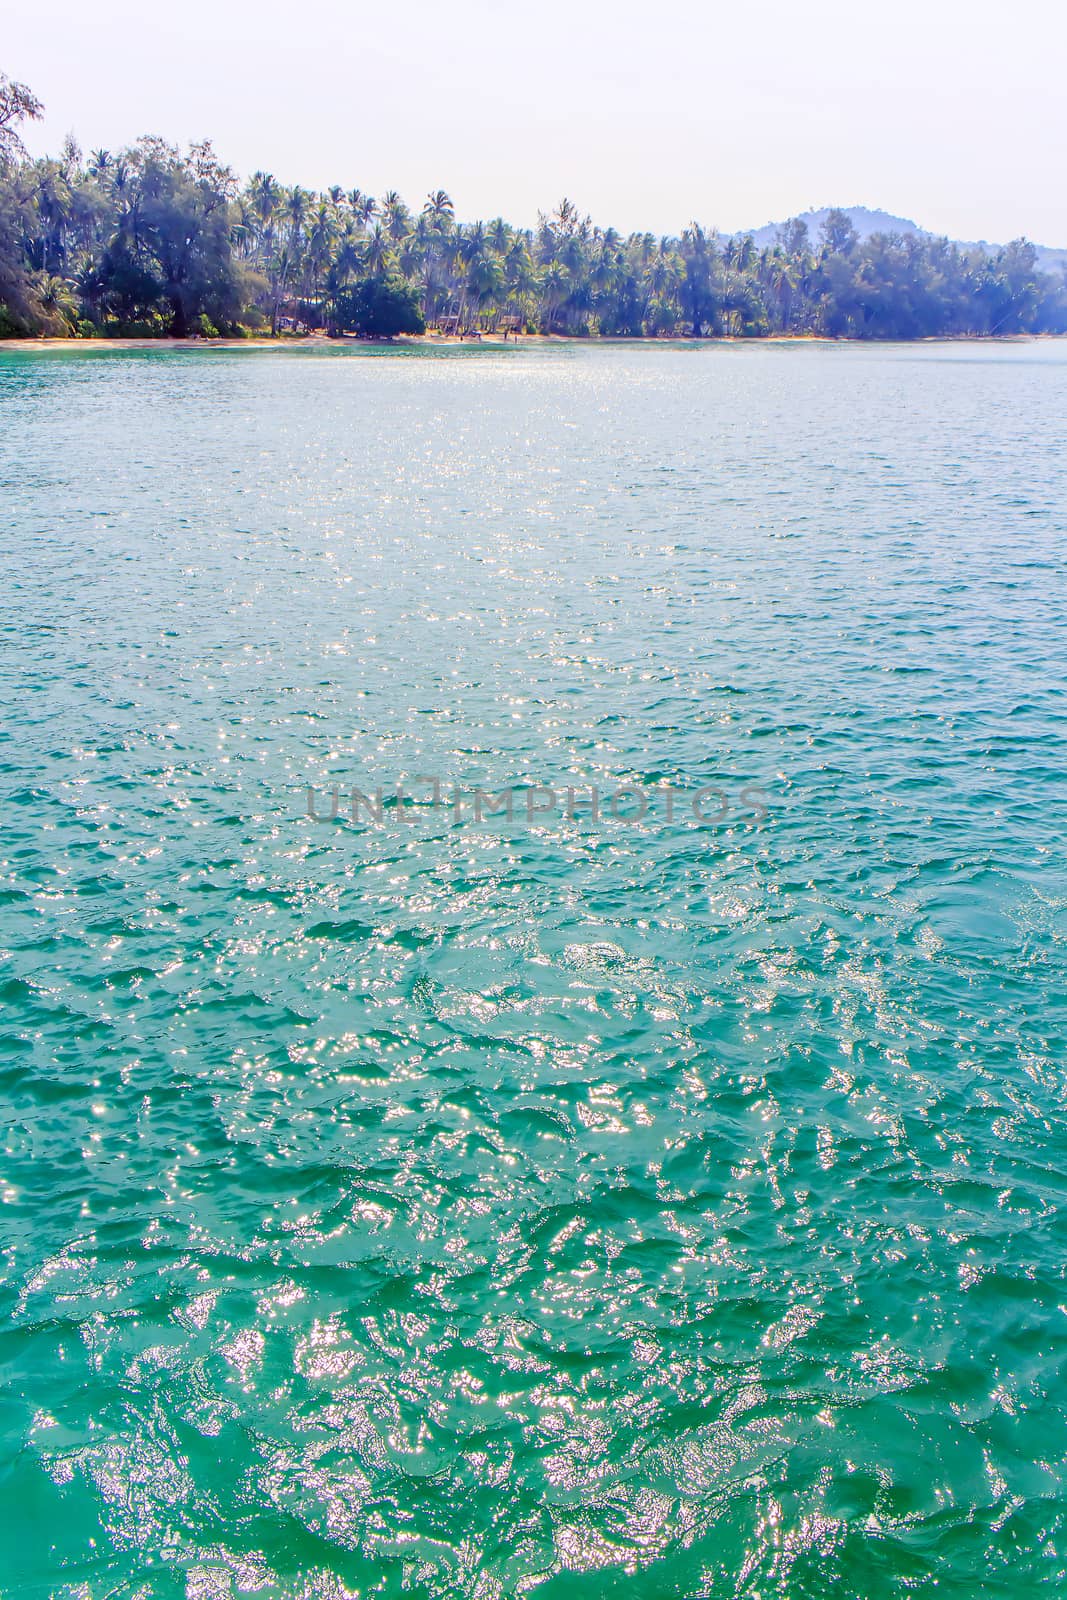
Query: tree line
{"points": [[155, 241]]}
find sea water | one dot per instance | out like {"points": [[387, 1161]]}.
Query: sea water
{"points": [[657, 1190]]}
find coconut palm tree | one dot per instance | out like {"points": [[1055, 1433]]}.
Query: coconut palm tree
{"points": [[364, 206], [53, 202], [319, 250], [520, 279], [265, 197], [439, 207], [378, 256], [555, 284], [297, 203], [244, 226], [397, 216]]}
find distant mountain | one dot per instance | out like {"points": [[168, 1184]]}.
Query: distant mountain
{"points": [[865, 221]]}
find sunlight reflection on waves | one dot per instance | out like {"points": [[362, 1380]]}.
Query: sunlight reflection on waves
{"points": [[483, 1211]]}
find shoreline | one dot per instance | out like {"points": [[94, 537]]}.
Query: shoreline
{"points": [[494, 342]]}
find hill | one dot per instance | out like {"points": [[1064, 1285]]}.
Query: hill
{"points": [[865, 221]]}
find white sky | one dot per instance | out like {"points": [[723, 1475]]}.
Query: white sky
{"points": [[948, 112]]}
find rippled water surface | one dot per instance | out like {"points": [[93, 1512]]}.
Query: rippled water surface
{"points": [[458, 1207]]}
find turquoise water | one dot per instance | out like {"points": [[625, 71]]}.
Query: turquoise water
{"points": [[580, 1206]]}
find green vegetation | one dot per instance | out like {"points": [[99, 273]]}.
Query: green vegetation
{"points": [[378, 307], [156, 242]]}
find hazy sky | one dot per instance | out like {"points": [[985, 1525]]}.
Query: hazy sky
{"points": [[647, 115]]}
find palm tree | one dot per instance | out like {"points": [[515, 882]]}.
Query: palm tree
{"points": [[397, 218], [378, 254], [781, 283], [485, 281], [348, 258], [57, 298], [554, 286], [265, 195], [243, 227], [411, 254], [439, 206], [280, 213], [434, 228], [520, 278], [53, 202], [364, 206], [320, 248], [296, 209]]}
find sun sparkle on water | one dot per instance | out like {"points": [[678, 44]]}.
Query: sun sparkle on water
{"points": [[478, 1209]]}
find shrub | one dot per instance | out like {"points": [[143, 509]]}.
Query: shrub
{"points": [[135, 330], [12, 326], [380, 308]]}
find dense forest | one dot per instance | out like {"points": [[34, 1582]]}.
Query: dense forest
{"points": [[153, 241]]}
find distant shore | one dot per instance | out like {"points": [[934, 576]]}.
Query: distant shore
{"points": [[151, 240]]}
